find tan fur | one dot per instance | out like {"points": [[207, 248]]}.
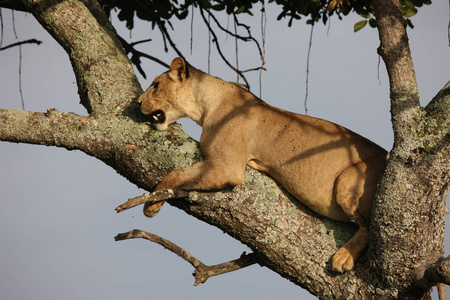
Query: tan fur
{"points": [[329, 168]]}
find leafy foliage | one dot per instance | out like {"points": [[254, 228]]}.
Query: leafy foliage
{"points": [[159, 11]]}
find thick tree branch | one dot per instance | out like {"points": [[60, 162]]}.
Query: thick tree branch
{"points": [[404, 234], [284, 234], [279, 229], [84, 31], [52, 128], [202, 272]]}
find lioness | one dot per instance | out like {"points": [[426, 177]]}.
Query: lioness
{"points": [[329, 168]]}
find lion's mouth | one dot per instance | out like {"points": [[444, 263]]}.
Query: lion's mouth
{"points": [[157, 117]]}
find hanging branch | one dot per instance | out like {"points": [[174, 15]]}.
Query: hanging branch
{"points": [[136, 55], [307, 70], [239, 72], [235, 35], [1, 29], [202, 272], [263, 39], [166, 35]]}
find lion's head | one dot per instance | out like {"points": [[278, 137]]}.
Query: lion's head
{"points": [[165, 100]]}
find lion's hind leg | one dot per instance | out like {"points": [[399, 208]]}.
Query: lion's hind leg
{"points": [[344, 259], [354, 192]]}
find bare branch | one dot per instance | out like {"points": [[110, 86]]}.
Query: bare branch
{"points": [[166, 34], [30, 41], [220, 50], [136, 55], [243, 38], [154, 197], [202, 272]]}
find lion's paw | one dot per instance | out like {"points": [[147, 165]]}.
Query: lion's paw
{"points": [[151, 210], [342, 261]]}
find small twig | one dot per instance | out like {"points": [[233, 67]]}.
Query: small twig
{"points": [[136, 55], [30, 41], [1, 28], [219, 50], [154, 197], [305, 104], [202, 272], [166, 35]]}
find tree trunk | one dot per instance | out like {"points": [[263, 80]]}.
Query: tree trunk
{"points": [[408, 221]]}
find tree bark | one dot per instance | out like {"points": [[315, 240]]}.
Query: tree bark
{"points": [[407, 227], [408, 221]]}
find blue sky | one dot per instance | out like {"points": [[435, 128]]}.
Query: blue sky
{"points": [[58, 221]]}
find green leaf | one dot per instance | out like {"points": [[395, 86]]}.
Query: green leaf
{"points": [[240, 9], [372, 22], [365, 15], [409, 9], [360, 25], [408, 12]]}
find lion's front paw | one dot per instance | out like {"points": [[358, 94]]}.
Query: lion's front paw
{"points": [[152, 209], [342, 261]]}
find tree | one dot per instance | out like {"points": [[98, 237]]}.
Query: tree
{"points": [[417, 169]]}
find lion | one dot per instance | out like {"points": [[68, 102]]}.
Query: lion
{"points": [[327, 167]]}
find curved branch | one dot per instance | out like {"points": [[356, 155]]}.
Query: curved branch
{"points": [[243, 38], [30, 41], [166, 35], [202, 272], [215, 39], [136, 55]]}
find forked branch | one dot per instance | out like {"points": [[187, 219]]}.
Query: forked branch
{"points": [[202, 272]]}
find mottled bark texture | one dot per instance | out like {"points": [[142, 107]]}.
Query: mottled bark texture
{"points": [[408, 220], [408, 223]]}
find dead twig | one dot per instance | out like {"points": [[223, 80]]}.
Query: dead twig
{"points": [[154, 197], [202, 272], [30, 41]]}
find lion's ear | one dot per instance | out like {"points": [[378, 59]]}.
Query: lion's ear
{"points": [[178, 69]]}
